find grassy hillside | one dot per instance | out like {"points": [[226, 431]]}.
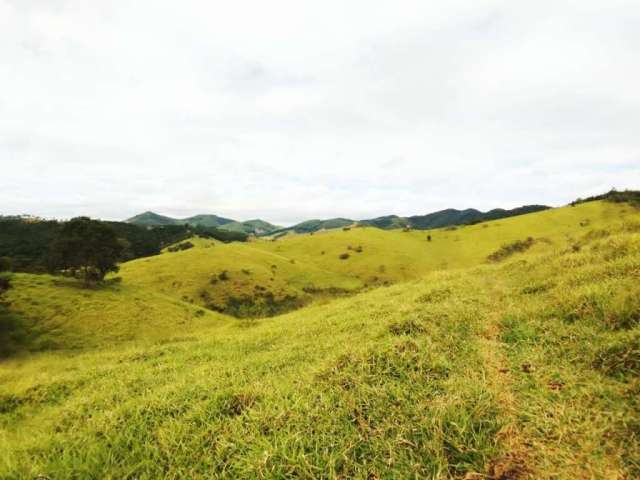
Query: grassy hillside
{"points": [[267, 277], [534, 374], [525, 367], [238, 279], [396, 255], [58, 313]]}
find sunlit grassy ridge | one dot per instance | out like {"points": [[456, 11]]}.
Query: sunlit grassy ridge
{"points": [[525, 368]]}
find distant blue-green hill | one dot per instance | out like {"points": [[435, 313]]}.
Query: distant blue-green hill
{"points": [[442, 218], [448, 217], [256, 227]]}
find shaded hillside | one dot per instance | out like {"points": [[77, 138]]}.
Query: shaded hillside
{"points": [[206, 220], [251, 227]]}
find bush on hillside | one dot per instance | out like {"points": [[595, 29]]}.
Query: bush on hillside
{"points": [[511, 248], [343, 256], [181, 246], [630, 196]]}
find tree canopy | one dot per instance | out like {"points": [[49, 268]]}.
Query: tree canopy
{"points": [[87, 248]]}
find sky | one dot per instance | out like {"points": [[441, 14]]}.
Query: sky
{"points": [[289, 110]]}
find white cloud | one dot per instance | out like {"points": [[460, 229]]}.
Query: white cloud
{"points": [[288, 110]]}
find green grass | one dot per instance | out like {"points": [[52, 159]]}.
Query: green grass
{"points": [[58, 313], [523, 368]]}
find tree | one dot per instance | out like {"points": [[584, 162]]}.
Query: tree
{"points": [[86, 247]]}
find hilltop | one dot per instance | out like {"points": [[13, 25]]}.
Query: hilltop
{"points": [[492, 356]]}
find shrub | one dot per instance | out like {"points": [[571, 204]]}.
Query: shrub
{"points": [[181, 246], [343, 256], [223, 276], [511, 248]]}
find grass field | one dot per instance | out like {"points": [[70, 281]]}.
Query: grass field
{"points": [[526, 367]]}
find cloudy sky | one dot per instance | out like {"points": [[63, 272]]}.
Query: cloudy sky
{"points": [[290, 110]]}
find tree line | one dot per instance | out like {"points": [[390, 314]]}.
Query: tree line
{"points": [[49, 246]]}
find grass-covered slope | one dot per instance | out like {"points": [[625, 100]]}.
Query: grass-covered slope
{"points": [[58, 313], [237, 279], [397, 255], [524, 368]]}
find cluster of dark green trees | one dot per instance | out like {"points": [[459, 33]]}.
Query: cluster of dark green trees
{"points": [[89, 248], [629, 196]]}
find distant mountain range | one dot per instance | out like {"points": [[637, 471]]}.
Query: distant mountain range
{"points": [[255, 227], [449, 217], [442, 218]]}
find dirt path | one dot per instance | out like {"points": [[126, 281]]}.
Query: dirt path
{"points": [[515, 464]]}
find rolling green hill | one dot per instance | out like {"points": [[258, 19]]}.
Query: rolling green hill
{"points": [[254, 227], [311, 226], [268, 277], [489, 354], [151, 219]]}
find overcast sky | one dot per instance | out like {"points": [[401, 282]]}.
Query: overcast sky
{"points": [[290, 110]]}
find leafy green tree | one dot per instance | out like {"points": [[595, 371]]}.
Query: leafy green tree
{"points": [[86, 248]]}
